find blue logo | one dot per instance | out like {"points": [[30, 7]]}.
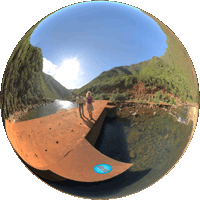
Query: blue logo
{"points": [[102, 168]]}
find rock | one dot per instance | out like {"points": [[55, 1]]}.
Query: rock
{"points": [[154, 113]]}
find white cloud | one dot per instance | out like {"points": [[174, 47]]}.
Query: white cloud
{"points": [[49, 67], [69, 74]]}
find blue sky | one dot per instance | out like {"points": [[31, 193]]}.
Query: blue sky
{"points": [[81, 41]]}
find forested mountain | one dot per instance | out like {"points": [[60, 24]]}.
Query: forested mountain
{"points": [[55, 87], [24, 84], [154, 72], [173, 71], [112, 77], [177, 57]]}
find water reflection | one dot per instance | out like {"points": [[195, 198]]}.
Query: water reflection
{"points": [[48, 109], [181, 114], [152, 144], [60, 104]]}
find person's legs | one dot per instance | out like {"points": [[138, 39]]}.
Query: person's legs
{"points": [[91, 110], [88, 110], [83, 110], [80, 107], [89, 113]]}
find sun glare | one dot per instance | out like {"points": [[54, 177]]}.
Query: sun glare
{"points": [[68, 73]]}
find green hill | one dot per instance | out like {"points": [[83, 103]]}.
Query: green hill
{"points": [[177, 56], [24, 84], [113, 77], [155, 72], [54, 87], [173, 71]]}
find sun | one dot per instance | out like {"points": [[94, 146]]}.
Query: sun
{"points": [[73, 64], [67, 74]]}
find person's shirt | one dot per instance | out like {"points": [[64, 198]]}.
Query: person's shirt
{"points": [[80, 100], [89, 99]]}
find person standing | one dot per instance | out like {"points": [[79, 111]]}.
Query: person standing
{"points": [[80, 102], [89, 104]]}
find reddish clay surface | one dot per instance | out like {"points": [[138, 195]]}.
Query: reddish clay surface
{"points": [[57, 143], [78, 164]]}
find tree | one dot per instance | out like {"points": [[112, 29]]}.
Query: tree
{"points": [[150, 99], [118, 97], [158, 95], [128, 81], [117, 89], [171, 101], [125, 95], [156, 101]]}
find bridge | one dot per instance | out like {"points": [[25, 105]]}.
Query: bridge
{"points": [[63, 143]]}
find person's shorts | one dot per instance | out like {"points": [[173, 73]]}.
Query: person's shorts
{"points": [[90, 107]]}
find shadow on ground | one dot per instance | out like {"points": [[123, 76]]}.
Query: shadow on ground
{"points": [[111, 143], [111, 188]]}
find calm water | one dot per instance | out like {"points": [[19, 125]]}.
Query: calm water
{"points": [[49, 109], [153, 144]]}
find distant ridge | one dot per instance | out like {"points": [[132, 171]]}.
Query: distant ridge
{"points": [[54, 86], [113, 77]]}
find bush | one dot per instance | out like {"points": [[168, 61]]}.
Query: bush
{"points": [[128, 82], [117, 89], [118, 97], [165, 97], [166, 101], [104, 96], [97, 97], [172, 101], [142, 101], [158, 95], [126, 95], [150, 99], [156, 101]]}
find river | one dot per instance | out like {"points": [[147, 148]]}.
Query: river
{"points": [[153, 144], [48, 109]]}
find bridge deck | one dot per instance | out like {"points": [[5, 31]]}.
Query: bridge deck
{"points": [[47, 141]]}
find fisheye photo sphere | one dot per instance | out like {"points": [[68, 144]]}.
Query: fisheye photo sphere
{"points": [[99, 100]]}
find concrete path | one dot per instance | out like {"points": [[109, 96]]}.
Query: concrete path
{"points": [[62, 143]]}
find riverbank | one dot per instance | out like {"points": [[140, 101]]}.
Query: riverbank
{"points": [[133, 108], [17, 115], [124, 109], [193, 114]]}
